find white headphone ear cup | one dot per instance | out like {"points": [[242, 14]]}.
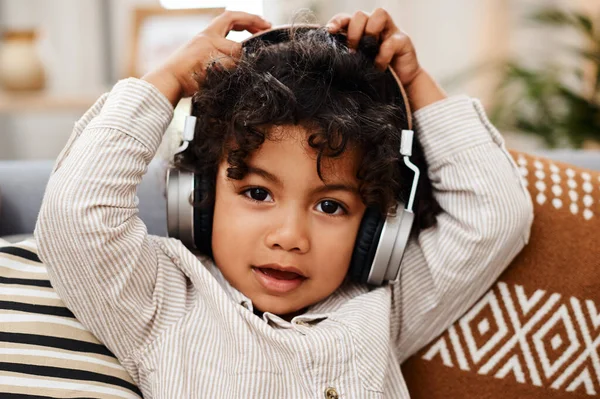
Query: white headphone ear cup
{"points": [[390, 248], [180, 212], [393, 270]]}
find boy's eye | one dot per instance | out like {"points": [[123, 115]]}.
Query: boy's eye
{"points": [[258, 194], [330, 207]]}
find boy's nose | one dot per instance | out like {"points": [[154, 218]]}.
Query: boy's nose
{"points": [[290, 234]]}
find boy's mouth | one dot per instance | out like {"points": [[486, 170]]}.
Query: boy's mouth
{"points": [[277, 278]]}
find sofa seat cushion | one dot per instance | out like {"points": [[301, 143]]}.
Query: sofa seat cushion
{"points": [[14, 238], [536, 332], [45, 351]]}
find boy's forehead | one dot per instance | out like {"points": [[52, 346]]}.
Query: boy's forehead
{"points": [[289, 144]]}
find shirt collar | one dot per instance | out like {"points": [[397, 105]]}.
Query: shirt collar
{"points": [[231, 291]]}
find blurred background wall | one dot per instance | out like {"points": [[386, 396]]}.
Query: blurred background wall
{"points": [[85, 47]]}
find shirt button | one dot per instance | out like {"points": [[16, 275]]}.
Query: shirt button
{"points": [[331, 393], [302, 323]]}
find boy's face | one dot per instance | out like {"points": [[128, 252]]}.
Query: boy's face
{"points": [[283, 216]]}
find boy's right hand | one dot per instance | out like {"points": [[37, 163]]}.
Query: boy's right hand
{"points": [[180, 74]]}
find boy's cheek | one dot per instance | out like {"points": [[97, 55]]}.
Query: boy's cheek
{"points": [[332, 248]]}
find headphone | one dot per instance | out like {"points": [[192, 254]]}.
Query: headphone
{"points": [[380, 241]]}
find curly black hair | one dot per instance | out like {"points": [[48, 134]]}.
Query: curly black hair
{"points": [[315, 81]]}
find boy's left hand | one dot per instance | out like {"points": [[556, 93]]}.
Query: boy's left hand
{"points": [[396, 48]]}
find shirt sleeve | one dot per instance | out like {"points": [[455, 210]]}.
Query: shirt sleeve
{"points": [[100, 259], [486, 221]]}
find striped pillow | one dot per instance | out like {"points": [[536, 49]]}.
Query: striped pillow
{"points": [[44, 351]]}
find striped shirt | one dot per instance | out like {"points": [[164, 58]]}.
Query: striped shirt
{"points": [[181, 330]]}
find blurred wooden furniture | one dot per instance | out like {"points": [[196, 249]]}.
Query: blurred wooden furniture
{"points": [[156, 32]]}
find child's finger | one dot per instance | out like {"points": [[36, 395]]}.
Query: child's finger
{"points": [[252, 29], [388, 49], [379, 24], [224, 60], [236, 20], [338, 22], [356, 28], [228, 47]]}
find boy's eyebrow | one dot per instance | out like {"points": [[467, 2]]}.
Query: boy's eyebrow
{"points": [[327, 187], [335, 187], [263, 173]]}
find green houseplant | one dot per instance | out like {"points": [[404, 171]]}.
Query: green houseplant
{"points": [[540, 102]]}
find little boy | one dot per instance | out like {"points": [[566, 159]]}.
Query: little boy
{"points": [[234, 325]]}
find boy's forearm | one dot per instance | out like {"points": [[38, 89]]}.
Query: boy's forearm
{"points": [[423, 90], [486, 220], [94, 245], [166, 84]]}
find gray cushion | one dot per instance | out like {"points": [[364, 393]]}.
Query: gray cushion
{"points": [[22, 185]]}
